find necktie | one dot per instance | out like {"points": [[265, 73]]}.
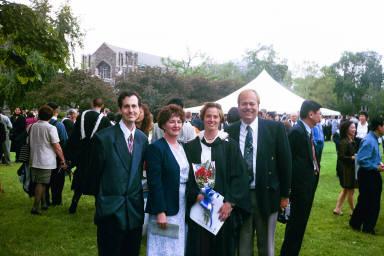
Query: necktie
{"points": [[315, 164], [248, 151], [130, 143]]}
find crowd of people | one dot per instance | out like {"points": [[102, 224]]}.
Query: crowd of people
{"points": [[264, 163]]}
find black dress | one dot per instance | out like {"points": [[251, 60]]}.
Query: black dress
{"points": [[345, 163], [18, 134], [231, 181]]}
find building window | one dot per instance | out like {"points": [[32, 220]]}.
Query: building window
{"points": [[104, 70]]}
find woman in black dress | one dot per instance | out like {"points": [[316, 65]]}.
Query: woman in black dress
{"points": [[18, 133], [346, 165], [231, 181]]}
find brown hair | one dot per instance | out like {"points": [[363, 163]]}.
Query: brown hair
{"points": [[167, 112], [125, 94], [212, 105], [45, 113], [146, 124]]}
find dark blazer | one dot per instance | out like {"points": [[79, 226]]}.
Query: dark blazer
{"points": [[118, 177], [273, 163], [163, 175], [304, 183], [302, 159]]}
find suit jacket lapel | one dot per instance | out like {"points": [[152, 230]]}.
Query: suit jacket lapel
{"points": [[236, 129], [121, 147], [259, 152], [168, 151], [309, 145]]}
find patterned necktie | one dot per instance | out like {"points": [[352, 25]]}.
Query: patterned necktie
{"points": [[248, 151], [130, 143], [315, 164]]}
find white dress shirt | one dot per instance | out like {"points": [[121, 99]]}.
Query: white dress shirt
{"points": [[127, 132], [362, 130], [243, 134]]}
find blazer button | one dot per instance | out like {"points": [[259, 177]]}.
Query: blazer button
{"points": [[267, 187], [270, 173], [273, 158]]}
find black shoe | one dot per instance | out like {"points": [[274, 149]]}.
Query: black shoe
{"points": [[371, 232], [72, 208], [35, 212], [44, 208]]}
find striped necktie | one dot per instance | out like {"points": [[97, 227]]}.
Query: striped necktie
{"points": [[315, 164], [130, 143], [248, 151]]}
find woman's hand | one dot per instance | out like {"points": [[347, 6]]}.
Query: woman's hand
{"points": [[225, 211], [199, 197], [162, 220]]}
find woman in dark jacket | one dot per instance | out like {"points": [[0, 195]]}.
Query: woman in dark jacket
{"points": [[231, 181], [346, 165], [167, 173]]}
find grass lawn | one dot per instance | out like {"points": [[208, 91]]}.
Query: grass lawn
{"points": [[58, 233]]}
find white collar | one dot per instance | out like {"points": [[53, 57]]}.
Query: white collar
{"points": [[307, 128], [253, 125], [126, 131], [221, 134], [363, 125]]}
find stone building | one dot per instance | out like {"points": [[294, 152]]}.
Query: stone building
{"points": [[108, 62]]}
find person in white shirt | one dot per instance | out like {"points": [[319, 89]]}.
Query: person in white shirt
{"points": [[293, 119], [362, 127], [45, 147], [6, 145]]}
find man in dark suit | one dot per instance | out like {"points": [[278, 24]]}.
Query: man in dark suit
{"points": [[305, 176], [117, 161], [266, 151]]}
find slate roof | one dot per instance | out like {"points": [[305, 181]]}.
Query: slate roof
{"points": [[144, 59]]}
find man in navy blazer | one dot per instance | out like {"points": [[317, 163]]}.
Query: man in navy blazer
{"points": [[117, 159], [269, 169], [305, 176]]}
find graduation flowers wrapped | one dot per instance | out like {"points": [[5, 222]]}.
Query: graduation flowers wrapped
{"points": [[205, 179]]}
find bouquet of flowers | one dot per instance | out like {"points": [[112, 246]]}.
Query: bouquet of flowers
{"points": [[205, 179]]}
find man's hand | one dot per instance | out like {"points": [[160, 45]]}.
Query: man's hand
{"points": [[162, 220], [63, 165], [284, 203], [225, 211], [380, 168]]}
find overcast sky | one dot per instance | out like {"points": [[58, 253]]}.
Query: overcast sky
{"points": [[299, 30]]}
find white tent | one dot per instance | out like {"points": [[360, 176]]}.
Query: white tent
{"points": [[273, 97]]}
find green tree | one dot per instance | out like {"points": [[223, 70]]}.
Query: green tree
{"points": [[34, 46], [157, 87], [74, 89], [358, 75], [199, 64], [265, 57], [317, 84]]}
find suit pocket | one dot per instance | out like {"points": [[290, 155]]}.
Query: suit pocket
{"points": [[109, 205]]}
